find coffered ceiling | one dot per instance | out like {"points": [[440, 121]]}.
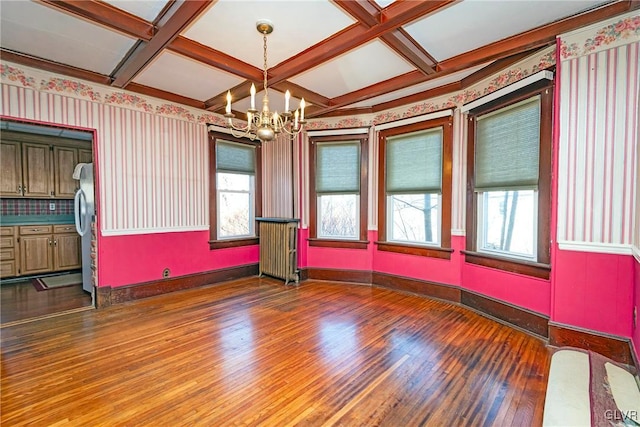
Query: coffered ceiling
{"points": [[342, 56]]}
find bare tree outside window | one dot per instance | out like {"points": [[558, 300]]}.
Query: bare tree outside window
{"points": [[234, 204], [338, 215], [414, 217]]}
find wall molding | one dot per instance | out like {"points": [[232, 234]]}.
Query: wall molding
{"points": [[107, 296], [134, 231], [614, 347], [602, 248]]}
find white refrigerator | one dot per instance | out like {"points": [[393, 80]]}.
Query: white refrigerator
{"points": [[84, 210]]}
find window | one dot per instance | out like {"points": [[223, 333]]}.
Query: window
{"points": [[338, 196], [415, 189], [509, 166], [234, 192]]}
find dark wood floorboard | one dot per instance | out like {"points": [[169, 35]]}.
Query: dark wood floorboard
{"points": [[20, 300], [254, 352]]}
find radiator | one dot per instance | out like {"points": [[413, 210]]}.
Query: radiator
{"points": [[278, 253]]}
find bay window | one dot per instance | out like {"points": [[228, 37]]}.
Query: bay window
{"points": [[415, 189], [509, 169], [338, 196]]}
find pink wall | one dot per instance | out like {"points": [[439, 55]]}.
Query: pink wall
{"points": [[636, 287], [594, 291], [422, 268], [140, 258]]}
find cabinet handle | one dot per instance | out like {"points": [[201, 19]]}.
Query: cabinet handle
{"points": [[19, 189], [24, 190], [55, 242], [35, 229], [50, 242]]}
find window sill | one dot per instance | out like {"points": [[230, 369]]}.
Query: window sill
{"points": [[338, 243], [426, 251], [527, 268], [233, 243]]}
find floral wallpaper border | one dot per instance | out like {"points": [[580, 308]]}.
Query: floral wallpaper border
{"points": [[604, 35], [48, 82]]}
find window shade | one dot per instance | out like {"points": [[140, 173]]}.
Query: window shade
{"points": [[507, 147], [233, 157], [414, 162], [338, 167]]}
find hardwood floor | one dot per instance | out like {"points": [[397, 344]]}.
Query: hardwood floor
{"points": [[21, 301], [254, 352]]}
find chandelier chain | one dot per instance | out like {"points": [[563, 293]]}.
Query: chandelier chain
{"points": [[264, 38]]}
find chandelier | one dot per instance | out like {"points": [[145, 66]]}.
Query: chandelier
{"points": [[264, 124]]}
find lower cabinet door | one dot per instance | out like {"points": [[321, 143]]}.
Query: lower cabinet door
{"points": [[66, 252], [36, 254]]}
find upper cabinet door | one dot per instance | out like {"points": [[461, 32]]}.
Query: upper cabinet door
{"points": [[65, 160], [36, 170], [85, 156], [11, 170]]}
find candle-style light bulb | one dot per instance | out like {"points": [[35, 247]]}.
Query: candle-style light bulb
{"points": [[228, 109], [295, 120], [302, 104], [287, 95], [253, 96]]}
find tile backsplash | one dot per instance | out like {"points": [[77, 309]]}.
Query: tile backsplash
{"points": [[35, 207]]}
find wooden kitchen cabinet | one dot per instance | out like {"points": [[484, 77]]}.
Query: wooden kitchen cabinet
{"points": [[36, 249], [9, 253], [36, 170], [11, 173], [85, 156], [40, 166], [65, 160], [66, 248]]}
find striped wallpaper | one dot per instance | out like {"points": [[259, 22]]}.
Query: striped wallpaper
{"points": [[597, 148], [278, 176], [152, 168]]}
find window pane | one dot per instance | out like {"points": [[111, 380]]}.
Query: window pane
{"points": [[234, 181], [509, 222], [235, 215], [338, 216], [414, 218]]}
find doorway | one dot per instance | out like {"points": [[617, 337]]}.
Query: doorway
{"points": [[42, 260]]}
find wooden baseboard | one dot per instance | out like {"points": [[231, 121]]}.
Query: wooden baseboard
{"points": [[357, 276], [420, 287], [106, 295], [613, 347], [522, 318]]}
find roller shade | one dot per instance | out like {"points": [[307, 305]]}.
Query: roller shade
{"points": [[414, 162], [338, 167], [235, 158], [508, 147]]}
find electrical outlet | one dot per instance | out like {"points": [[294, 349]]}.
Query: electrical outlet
{"points": [[166, 272], [52, 206]]}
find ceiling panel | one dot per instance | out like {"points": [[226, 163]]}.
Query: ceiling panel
{"points": [[229, 26], [145, 9], [174, 73], [354, 70], [471, 24], [451, 78], [40, 31]]}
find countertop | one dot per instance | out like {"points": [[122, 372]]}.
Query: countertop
{"points": [[36, 219]]}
